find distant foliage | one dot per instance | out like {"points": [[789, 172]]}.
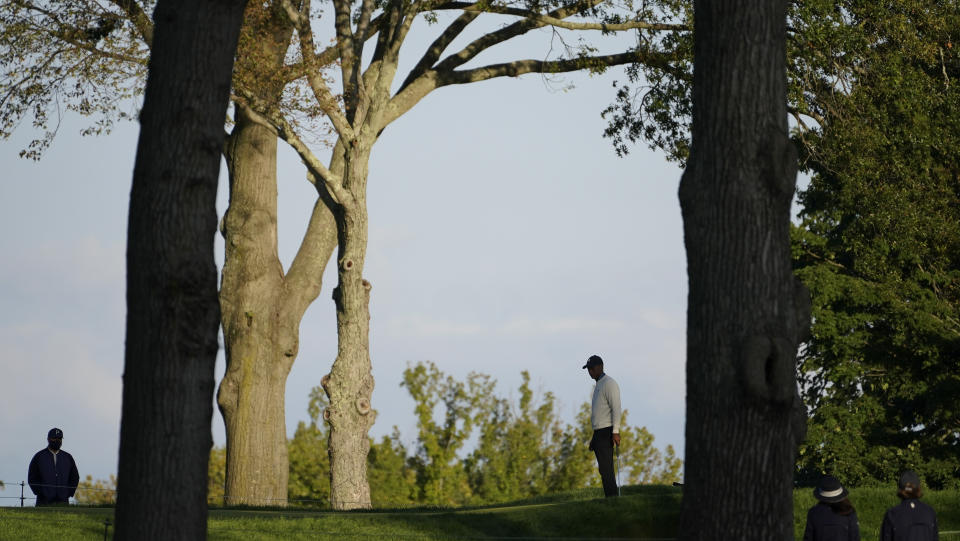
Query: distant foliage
{"points": [[521, 449], [217, 476], [99, 492], [309, 482]]}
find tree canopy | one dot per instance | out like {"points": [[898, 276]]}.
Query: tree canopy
{"points": [[879, 241]]}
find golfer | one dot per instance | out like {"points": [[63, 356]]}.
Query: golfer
{"points": [[605, 419]]}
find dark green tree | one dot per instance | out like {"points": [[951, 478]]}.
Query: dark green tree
{"points": [[309, 482], [393, 478], [879, 241]]}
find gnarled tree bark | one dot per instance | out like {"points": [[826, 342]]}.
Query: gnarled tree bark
{"points": [[350, 382], [746, 311]]}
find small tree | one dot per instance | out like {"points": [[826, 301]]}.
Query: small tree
{"points": [[217, 475], [309, 462], [99, 492], [393, 478], [440, 478]]}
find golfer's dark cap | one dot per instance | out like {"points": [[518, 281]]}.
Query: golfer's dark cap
{"points": [[55, 434], [594, 360]]}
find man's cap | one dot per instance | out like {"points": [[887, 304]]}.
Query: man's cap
{"points": [[908, 478], [594, 360], [830, 490], [55, 434]]}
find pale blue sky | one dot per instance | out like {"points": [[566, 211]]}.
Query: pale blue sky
{"points": [[505, 235]]}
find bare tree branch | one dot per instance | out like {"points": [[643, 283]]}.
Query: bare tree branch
{"points": [[325, 98], [328, 55], [439, 45], [511, 31], [559, 22], [521, 67], [410, 95]]}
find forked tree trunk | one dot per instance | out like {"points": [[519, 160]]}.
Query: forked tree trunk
{"points": [[172, 310], [251, 395], [261, 313], [349, 385], [261, 306], [746, 311]]}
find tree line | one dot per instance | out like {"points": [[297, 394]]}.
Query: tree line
{"points": [[472, 447], [520, 448]]}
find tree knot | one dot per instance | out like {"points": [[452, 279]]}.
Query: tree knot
{"points": [[767, 369], [363, 405]]}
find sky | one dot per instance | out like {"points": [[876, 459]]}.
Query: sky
{"points": [[505, 235]]}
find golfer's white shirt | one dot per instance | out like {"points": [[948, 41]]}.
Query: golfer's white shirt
{"points": [[605, 410]]}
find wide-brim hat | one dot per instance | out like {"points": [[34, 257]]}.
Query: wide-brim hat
{"points": [[830, 490]]}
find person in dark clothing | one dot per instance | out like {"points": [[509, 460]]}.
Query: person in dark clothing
{"points": [[605, 416], [912, 520], [53, 475], [833, 518]]}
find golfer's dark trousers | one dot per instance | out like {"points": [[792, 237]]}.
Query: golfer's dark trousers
{"points": [[602, 445]]}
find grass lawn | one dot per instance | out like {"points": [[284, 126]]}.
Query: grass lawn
{"points": [[644, 512]]}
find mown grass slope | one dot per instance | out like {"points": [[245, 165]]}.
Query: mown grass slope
{"points": [[644, 512]]}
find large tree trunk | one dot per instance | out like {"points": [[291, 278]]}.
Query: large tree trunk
{"points": [[251, 395], [172, 310], [746, 311], [262, 310], [349, 385], [262, 307]]}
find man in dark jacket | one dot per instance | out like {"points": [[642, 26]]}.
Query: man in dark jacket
{"points": [[53, 475], [912, 520]]}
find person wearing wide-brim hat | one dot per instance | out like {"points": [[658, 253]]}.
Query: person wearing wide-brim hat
{"points": [[833, 518]]}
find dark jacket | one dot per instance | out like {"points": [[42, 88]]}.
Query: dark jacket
{"points": [[912, 520], [823, 524], [53, 483]]}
